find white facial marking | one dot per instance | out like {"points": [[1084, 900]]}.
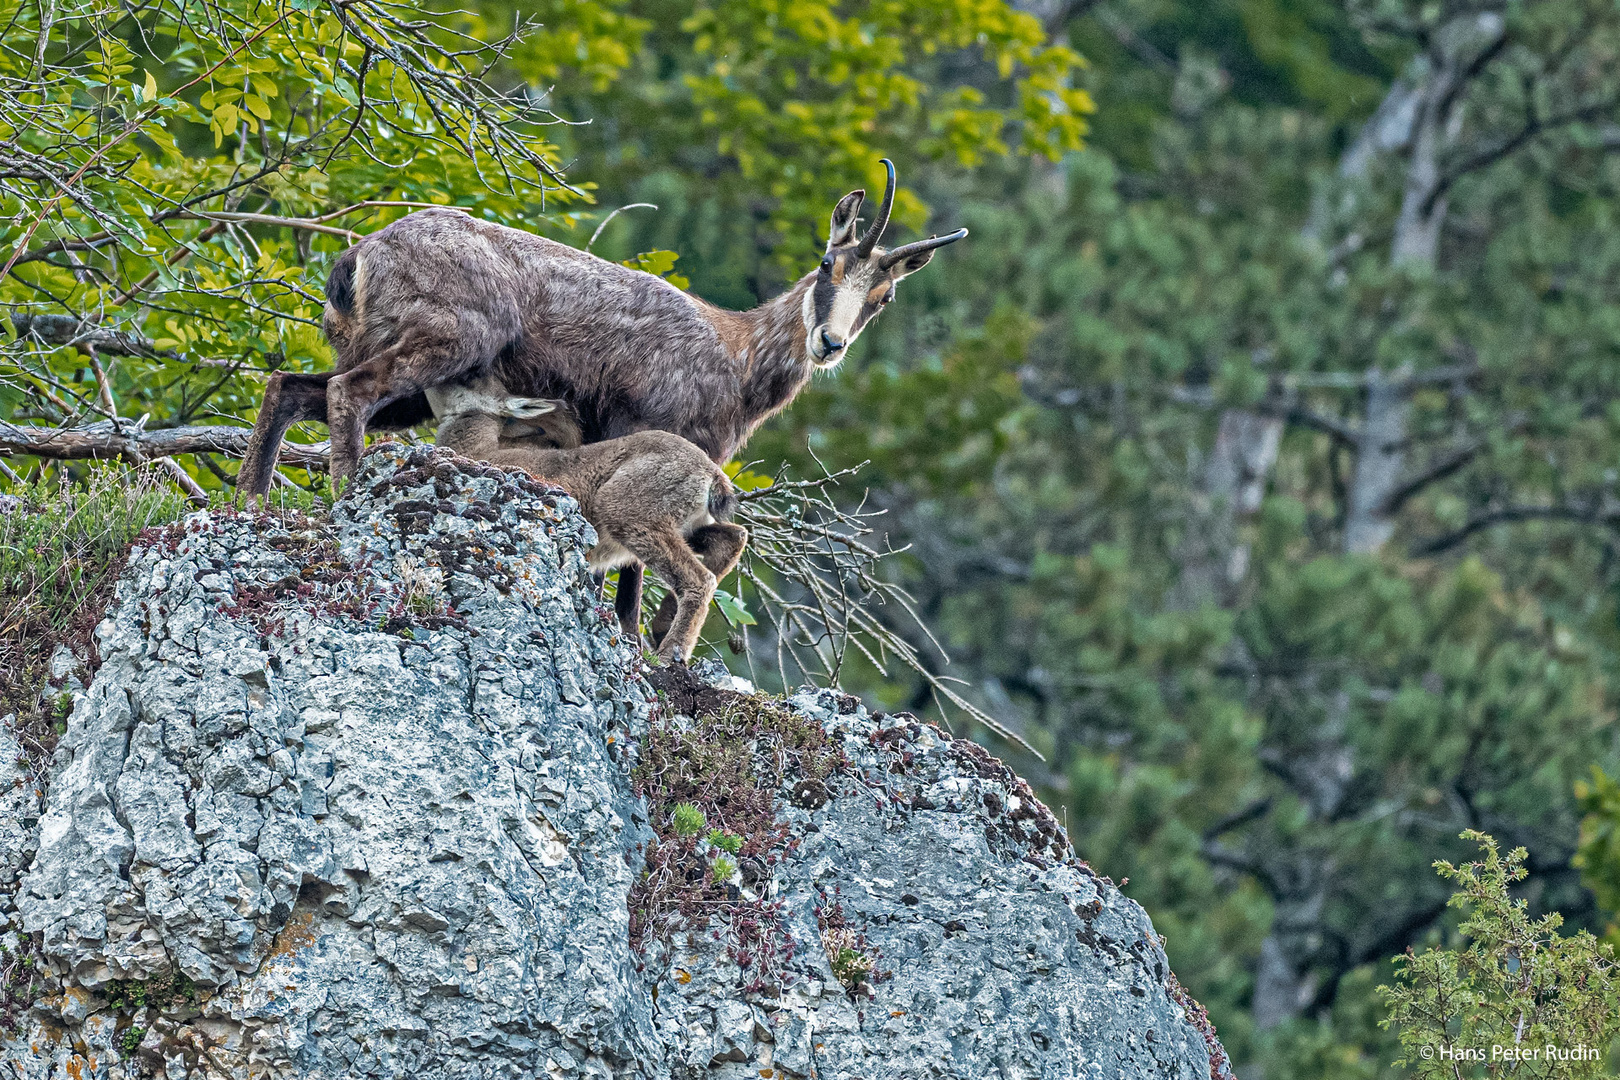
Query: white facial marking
{"points": [[846, 308]]}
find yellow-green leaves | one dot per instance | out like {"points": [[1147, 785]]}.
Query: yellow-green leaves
{"points": [[240, 95], [661, 263], [804, 97], [198, 172], [113, 59]]}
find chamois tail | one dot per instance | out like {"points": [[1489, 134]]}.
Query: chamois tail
{"points": [[722, 499], [340, 283]]}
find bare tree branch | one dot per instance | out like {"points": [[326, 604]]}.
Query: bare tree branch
{"points": [[1439, 469], [1603, 512], [61, 330], [133, 443], [819, 586]]}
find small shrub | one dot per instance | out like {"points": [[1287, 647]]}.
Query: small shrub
{"points": [[1518, 987]]}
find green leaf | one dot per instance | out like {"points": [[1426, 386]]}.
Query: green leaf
{"points": [[733, 608], [660, 263], [744, 480]]}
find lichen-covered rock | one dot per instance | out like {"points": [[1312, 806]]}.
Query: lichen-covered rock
{"points": [[353, 797], [992, 951]]}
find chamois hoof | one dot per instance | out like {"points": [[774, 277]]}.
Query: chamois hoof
{"points": [[672, 655]]}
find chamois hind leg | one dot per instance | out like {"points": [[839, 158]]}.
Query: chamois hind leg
{"points": [[719, 546], [665, 552], [288, 398], [627, 602]]}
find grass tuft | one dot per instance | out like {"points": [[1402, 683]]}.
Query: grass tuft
{"points": [[62, 547]]}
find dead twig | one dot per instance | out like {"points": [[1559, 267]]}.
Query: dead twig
{"points": [[819, 587]]}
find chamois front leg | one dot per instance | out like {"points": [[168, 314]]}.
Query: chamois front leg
{"points": [[419, 359]]}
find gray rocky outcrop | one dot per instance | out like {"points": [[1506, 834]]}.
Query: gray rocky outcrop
{"points": [[356, 795]]}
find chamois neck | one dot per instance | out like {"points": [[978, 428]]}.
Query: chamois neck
{"points": [[776, 364]]}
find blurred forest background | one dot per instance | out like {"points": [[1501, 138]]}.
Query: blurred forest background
{"points": [[1258, 454]]}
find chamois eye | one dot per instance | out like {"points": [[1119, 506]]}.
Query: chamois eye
{"points": [[888, 295], [826, 264]]}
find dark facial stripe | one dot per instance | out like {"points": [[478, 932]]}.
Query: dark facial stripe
{"points": [[824, 293]]}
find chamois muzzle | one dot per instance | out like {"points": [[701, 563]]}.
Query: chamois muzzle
{"points": [[906, 251], [830, 343], [881, 222]]}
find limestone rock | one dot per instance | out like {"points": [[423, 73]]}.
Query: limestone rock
{"points": [[352, 796]]}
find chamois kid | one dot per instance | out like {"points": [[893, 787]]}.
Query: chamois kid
{"points": [[647, 494], [440, 298]]}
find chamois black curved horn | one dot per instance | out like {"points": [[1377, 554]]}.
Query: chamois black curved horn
{"points": [[905, 251], [881, 222]]}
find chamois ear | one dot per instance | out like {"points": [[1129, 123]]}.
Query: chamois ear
{"points": [[529, 408], [842, 233], [914, 263]]}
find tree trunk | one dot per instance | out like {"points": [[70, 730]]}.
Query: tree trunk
{"points": [[1380, 459], [1214, 560], [1281, 990]]}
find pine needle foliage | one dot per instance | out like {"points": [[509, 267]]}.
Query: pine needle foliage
{"points": [[1519, 999]]}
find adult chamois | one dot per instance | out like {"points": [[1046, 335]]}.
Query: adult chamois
{"points": [[650, 495], [440, 297]]}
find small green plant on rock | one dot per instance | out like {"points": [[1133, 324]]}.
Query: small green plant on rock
{"points": [[166, 991], [132, 1040], [723, 869], [688, 820], [852, 958], [730, 843], [849, 964]]}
